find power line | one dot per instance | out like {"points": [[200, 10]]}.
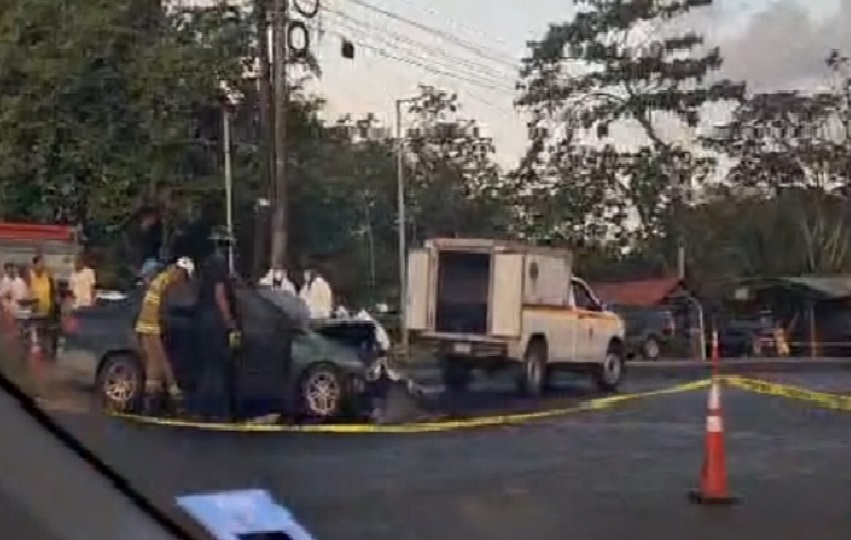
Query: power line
{"points": [[375, 31], [482, 52], [449, 64], [461, 27], [453, 75]]}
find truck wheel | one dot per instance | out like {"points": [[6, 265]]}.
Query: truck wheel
{"points": [[609, 374], [533, 375], [457, 375]]}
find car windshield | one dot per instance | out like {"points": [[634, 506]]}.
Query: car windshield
{"points": [[425, 269]]}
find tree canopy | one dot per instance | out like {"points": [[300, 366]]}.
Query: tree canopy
{"points": [[107, 107]]}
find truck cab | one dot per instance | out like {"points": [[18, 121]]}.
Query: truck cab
{"points": [[489, 304]]}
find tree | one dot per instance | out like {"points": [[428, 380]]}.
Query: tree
{"points": [[454, 186], [345, 185], [801, 230], [785, 139], [600, 70], [109, 103], [791, 139], [789, 180]]}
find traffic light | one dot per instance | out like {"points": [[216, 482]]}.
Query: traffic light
{"points": [[347, 49]]}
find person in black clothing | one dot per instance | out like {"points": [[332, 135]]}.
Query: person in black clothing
{"points": [[217, 334], [178, 325]]}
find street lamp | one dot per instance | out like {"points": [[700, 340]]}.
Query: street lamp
{"points": [[401, 229], [231, 99]]}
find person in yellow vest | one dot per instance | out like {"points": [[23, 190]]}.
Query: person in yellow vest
{"points": [[158, 369], [45, 307]]}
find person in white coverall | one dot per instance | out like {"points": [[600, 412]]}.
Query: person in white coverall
{"points": [[276, 278], [316, 293]]}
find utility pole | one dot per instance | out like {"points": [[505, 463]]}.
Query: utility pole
{"points": [[226, 126], [262, 226], [280, 215]]}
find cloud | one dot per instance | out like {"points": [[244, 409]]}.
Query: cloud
{"points": [[785, 46]]}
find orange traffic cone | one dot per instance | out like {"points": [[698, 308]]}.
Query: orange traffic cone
{"points": [[713, 475]]}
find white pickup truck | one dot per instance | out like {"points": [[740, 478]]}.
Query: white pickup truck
{"points": [[486, 304]]}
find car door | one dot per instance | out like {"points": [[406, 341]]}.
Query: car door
{"points": [[587, 332]]}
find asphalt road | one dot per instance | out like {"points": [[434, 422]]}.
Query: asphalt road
{"points": [[598, 474]]}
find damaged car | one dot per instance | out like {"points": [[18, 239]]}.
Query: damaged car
{"points": [[287, 365]]}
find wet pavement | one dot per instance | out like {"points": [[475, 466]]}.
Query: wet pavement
{"points": [[592, 475]]}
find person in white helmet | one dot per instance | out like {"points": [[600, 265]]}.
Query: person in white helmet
{"points": [[158, 368]]}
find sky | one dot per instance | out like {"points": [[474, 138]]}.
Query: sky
{"points": [[472, 47]]}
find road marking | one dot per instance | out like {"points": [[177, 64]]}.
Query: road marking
{"points": [[826, 400], [421, 427]]}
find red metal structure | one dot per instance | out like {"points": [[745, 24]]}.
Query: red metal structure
{"points": [[33, 232], [19, 243]]}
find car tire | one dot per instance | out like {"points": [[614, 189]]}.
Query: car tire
{"points": [[119, 383], [456, 374], [651, 349], [533, 377], [321, 392], [609, 374]]}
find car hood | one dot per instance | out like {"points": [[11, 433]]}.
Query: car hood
{"points": [[293, 307]]}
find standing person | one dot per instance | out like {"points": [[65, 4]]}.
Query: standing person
{"points": [[20, 288], [6, 287], [178, 324], [46, 306], [82, 284], [277, 279], [218, 334], [316, 293], [158, 370]]}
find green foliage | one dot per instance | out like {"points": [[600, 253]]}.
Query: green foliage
{"points": [[600, 70], [454, 186], [345, 192], [108, 103]]}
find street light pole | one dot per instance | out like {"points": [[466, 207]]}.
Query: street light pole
{"points": [[226, 125], [401, 229]]}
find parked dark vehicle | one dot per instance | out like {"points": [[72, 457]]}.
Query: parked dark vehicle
{"points": [[327, 377], [649, 330], [742, 337]]}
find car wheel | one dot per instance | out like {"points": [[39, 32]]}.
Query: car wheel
{"points": [[651, 350], [321, 392], [609, 374], [533, 377], [119, 383]]}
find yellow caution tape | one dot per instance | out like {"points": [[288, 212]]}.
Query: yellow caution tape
{"points": [[826, 400], [418, 427]]}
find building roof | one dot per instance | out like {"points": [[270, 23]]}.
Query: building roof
{"points": [[648, 292], [36, 232], [818, 287]]}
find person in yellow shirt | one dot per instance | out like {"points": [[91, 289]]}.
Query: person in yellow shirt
{"points": [[158, 369], [45, 307]]}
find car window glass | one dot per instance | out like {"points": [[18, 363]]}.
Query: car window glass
{"points": [[582, 297]]}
